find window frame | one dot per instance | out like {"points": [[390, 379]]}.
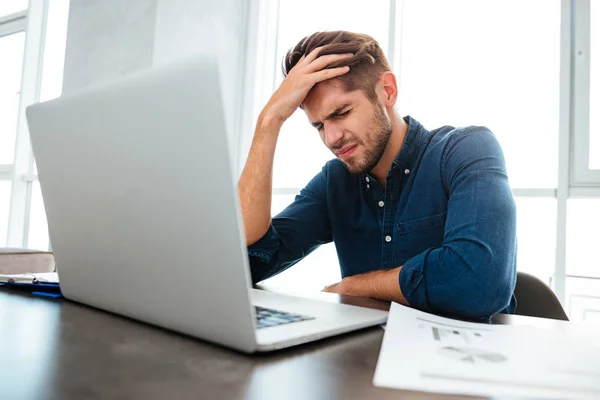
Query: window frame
{"points": [[33, 22], [13, 23], [582, 175], [9, 25]]}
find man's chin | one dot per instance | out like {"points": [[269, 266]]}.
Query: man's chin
{"points": [[356, 168]]}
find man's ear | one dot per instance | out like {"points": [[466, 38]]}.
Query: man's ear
{"points": [[390, 89]]}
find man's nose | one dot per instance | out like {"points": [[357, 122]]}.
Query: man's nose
{"points": [[333, 134]]}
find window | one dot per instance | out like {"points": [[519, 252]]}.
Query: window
{"points": [[54, 49], [582, 300], [51, 87], [594, 85], [458, 69], [32, 45], [11, 54], [536, 236], [4, 207], [586, 94], [12, 48], [8, 7], [583, 231]]}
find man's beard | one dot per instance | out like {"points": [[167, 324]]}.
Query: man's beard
{"points": [[375, 144]]}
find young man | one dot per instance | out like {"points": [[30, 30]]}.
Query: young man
{"points": [[423, 218]]}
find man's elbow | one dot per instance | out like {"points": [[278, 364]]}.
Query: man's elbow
{"points": [[484, 304], [256, 232], [482, 291]]}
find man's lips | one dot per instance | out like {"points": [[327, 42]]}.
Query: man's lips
{"points": [[345, 151]]}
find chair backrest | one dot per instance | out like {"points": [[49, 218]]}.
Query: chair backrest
{"points": [[536, 299]]}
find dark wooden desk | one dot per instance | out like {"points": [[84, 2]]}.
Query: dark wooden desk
{"points": [[57, 349]]}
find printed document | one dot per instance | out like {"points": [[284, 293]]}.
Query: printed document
{"points": [[424, 352]]}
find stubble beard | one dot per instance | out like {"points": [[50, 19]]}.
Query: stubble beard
{"points": [[376, 142]]}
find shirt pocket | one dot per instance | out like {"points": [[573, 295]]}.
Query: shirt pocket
{"points": [[418, 235]]}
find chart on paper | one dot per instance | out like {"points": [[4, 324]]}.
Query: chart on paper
{"points": [[450, 356]]}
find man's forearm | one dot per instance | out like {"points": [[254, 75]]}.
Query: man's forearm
{"points": [[380, 284], [255, 184]]}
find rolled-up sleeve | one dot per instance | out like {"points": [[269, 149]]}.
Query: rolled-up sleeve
{"points": [[294, 233], [473, 273]]}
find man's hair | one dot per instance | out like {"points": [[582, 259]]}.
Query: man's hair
{"points": [[366, 67]]}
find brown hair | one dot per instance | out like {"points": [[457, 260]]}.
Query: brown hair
{"points": [[366, 67]]}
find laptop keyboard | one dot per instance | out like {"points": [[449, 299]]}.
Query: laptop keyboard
{"points": [[266, 317]]}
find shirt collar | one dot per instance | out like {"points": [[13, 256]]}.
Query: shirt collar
{"points": [[410, 149]]}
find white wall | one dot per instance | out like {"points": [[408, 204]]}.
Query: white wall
{"points": [[107, 39], [111, 38]]}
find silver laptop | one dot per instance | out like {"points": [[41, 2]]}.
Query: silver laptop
{"points": [[144, 218]]}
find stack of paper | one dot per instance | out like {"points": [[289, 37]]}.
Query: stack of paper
{"points": [[42, 277], [428, 353]]}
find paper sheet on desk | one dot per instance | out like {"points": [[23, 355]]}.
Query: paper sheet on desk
{"points": [[425, 352], [45, 277]]}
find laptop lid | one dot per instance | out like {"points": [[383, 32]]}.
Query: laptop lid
{"points": [[142, 208]]}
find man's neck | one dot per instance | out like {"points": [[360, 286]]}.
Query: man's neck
{"points": [[399, 130]]}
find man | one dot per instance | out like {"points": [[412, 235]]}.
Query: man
{"points": [[423, 218]]}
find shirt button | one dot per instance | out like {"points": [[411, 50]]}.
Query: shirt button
{"points": [[406, 171], [388, 238], [368, 186], [381, 203], [367, 179]]}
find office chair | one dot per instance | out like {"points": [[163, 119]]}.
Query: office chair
{"points": [[536, 299]]}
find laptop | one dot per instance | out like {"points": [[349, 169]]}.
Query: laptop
{"points": [[143, 213]]}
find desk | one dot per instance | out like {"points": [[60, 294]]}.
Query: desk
{"points": [[57, 349]]}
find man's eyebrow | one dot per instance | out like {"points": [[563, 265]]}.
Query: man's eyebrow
{"points": [[333, 114]]}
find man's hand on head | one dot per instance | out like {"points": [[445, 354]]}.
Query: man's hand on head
{"points": [[309, 71]]}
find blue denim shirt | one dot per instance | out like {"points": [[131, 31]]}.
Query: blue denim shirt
{"points": [[447, 216]]}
